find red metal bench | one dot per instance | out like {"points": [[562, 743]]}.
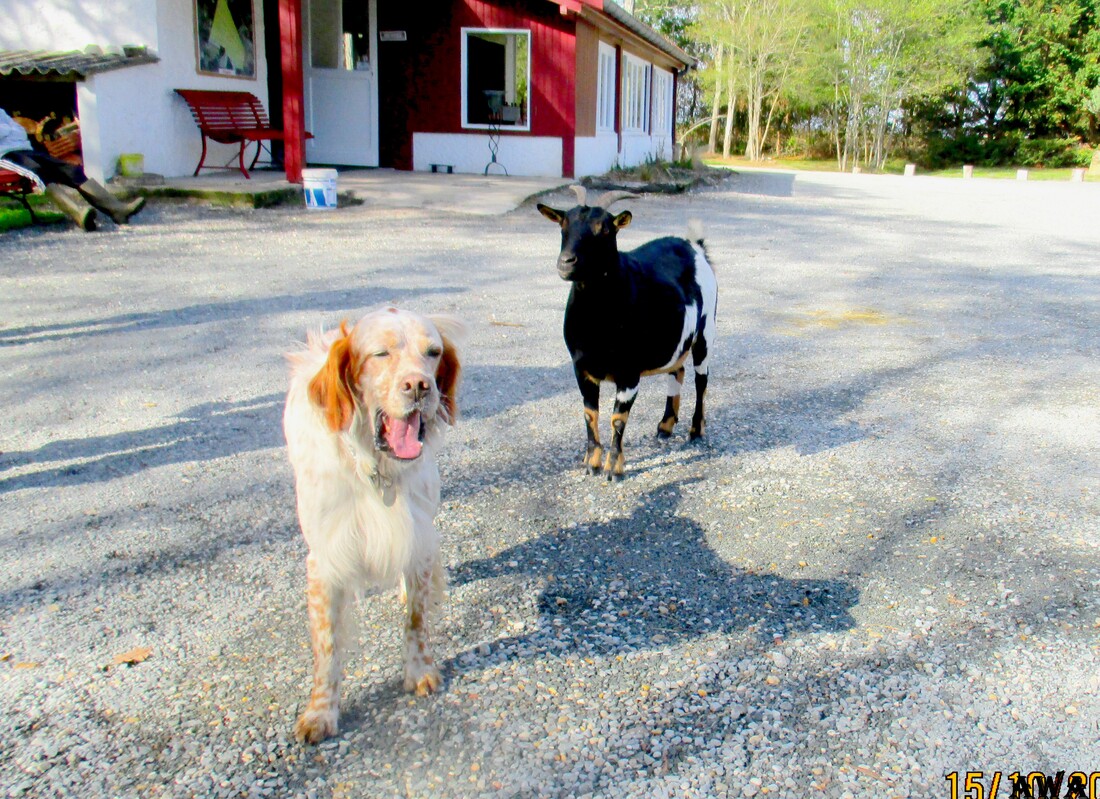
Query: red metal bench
{"points": [[231, 118], [12, 184]]}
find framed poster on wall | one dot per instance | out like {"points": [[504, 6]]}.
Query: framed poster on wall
{"points": [[225, 38]]}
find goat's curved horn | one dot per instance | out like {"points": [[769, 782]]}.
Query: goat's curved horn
{"points": [[581, 192], [609, 198]]}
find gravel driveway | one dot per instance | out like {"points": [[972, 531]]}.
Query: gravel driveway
{"points": [[881, 567]]}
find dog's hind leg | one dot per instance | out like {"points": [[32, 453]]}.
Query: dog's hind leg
{"points": [[424, 586], [326, 603]]}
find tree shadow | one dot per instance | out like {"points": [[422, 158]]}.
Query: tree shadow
{"points": [[202, 313], [767, 184], [644, 582], [810, 421], [489, 390], [220, 429], [203, 432]]}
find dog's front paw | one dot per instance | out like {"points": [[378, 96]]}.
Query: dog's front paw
{"points": [[315, 725], [423, 679]]}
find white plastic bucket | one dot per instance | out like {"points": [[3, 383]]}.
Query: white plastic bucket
{"points": [[319, 186]]}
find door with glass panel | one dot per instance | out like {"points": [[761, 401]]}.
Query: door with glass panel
{"points": [[341, 82]]}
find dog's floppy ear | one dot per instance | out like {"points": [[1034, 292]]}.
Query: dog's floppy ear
{"points": [[330, 388], [449, 373]]}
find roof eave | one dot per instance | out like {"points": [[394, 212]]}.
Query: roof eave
{"points": [[625, 20], [636, 26], [72, 65]]}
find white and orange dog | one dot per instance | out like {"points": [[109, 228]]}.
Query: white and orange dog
{"points": [[364, 419]]}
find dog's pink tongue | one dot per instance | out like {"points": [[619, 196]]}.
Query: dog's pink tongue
{"points": [[403, 436]]}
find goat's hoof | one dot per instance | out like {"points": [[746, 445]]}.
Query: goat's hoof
{"points": [[615, 477], [694, 437], [593, 459], [662, 435]]}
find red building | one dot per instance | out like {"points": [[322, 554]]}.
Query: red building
{"points": [[531, 87]]}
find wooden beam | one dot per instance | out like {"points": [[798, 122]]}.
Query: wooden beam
{"points": [[294, 120]]}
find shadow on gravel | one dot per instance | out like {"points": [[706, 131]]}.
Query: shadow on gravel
{"points": [[489, 390], [203, 432], [812, 420], [646, 582], [313, 301], [767, 184]]}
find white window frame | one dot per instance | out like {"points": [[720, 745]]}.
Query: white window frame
{"points": [[605, 89], [462, 78], [662, 102], [635, 94]]}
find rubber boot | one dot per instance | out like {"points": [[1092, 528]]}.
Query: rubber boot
{"points": [[108, 203], [70, 201]]}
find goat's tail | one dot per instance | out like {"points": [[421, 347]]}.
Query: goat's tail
{"points": [[695, 231]]}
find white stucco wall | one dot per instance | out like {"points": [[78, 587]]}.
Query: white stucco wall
{"points": [[595, 155], [538, 156], [133, 109], [638, 147], [71, 25]]}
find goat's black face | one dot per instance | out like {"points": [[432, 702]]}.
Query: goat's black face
{"points": [[588, 247]]}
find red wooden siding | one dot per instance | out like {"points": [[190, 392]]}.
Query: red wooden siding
{"points": [[420, 80]]}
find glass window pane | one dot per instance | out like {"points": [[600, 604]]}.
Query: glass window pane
{"points": [[497, 66], [324, 35]]}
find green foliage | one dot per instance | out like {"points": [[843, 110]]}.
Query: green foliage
{"points": [[1092, 104], [938, 152], [674, 20], [1010, 149], [889, 54], [949, 81], [1052, 153], [805, 143], [1044, 64]]}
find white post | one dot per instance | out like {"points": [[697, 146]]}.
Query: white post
{"points": [[910, 170], [968, 171], [1078, 175], [1021, 174]]}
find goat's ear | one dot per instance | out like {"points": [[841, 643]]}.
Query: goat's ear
{"points": [[330, 389], [553, 214], [622, 220]]}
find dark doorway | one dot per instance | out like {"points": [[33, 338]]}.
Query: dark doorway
{"points": [[273, 52], [484, 78]]}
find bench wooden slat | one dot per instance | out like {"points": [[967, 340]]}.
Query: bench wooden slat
{"points": [[230, 117]]}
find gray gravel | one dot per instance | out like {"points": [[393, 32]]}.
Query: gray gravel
{"points": [[880, 567]]}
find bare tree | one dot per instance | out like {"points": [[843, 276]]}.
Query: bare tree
{"points": [[885, 53], [763, 46]]}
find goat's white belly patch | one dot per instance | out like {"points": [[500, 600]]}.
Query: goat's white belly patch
{"points": [[626, 395], [691, 314]]}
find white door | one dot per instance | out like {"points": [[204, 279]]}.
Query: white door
{"points": [[341, 83]]}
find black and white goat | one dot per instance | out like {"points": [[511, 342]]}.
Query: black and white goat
{"points": [[632, 314]]}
